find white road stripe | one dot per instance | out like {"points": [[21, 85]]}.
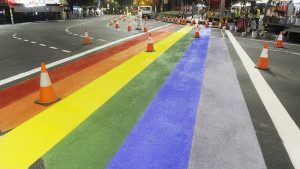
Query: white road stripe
{"points": [[102, 40], [33, 42], [19, 38], [293, 53], [286, 127], [261, 40], [15, 37], [222, 33], [42, 44], [25, 40], [52, 47], [36, 70], [67, 51]]}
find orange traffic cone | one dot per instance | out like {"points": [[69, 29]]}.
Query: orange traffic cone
{"points": [[263, 62], [178, 21], [129, 27], [150, 46], [279, 43], [197, 32], [145, 27], [117, 25], [184, 21], [191, 23], [86, 38], [46, 94]]}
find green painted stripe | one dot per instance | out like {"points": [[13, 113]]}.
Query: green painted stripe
{"points": [[97, 139]]}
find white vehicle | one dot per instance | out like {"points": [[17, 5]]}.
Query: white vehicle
{"points": [[146, 11]]}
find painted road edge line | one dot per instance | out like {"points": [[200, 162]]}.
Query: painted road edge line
{"points": [[30, 72], [286, 127]]}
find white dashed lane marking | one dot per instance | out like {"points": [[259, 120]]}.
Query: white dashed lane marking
{"points": [[40, 44], [66, 51], [52, 47]]}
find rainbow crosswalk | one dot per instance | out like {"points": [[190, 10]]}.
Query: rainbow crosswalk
{"points": [[44, 133]]}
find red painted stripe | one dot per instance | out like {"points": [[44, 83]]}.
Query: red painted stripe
{"points": [[18, 91]]}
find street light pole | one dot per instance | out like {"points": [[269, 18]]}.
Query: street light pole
{"points": [[11, 15]]}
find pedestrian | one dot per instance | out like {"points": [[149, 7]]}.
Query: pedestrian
{"points": [[257, 17], [139, 19]]}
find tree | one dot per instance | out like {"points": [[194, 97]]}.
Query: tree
{"points": [[83, 2]]}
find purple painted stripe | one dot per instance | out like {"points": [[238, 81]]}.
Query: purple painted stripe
{"points": [[162, 138]]}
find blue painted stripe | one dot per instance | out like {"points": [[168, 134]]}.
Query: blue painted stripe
{"points": [[162, 138]]}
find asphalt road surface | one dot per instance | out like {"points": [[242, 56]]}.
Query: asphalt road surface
{"points": [[25, 46], [284, 79]]}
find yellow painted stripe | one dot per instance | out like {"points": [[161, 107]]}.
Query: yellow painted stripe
{"points": [[25, 144]]}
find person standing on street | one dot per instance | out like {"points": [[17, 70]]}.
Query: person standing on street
{"points": [[139, 19], [257, 17]]}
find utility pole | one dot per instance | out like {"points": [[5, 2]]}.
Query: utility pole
{"points": [[11, 15], [9, 2]]}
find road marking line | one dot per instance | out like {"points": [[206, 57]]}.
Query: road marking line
{"points": [[102, 40], [75, 34], [25, 40], [261, 40], [34, 138], [286, 127], [52, 47], [222, 33], [33, 42], [275, 50], [59, 62], [42, 44], [15, 37], [19, 38], [67, 51]]}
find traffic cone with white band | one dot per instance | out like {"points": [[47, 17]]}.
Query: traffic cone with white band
{"points": [[279, 42], [86, 38], [46, 94], [263, 61], [129, 26], [150, 46], [191, 23], [145, 27], [197, 32], [117, 25]]}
